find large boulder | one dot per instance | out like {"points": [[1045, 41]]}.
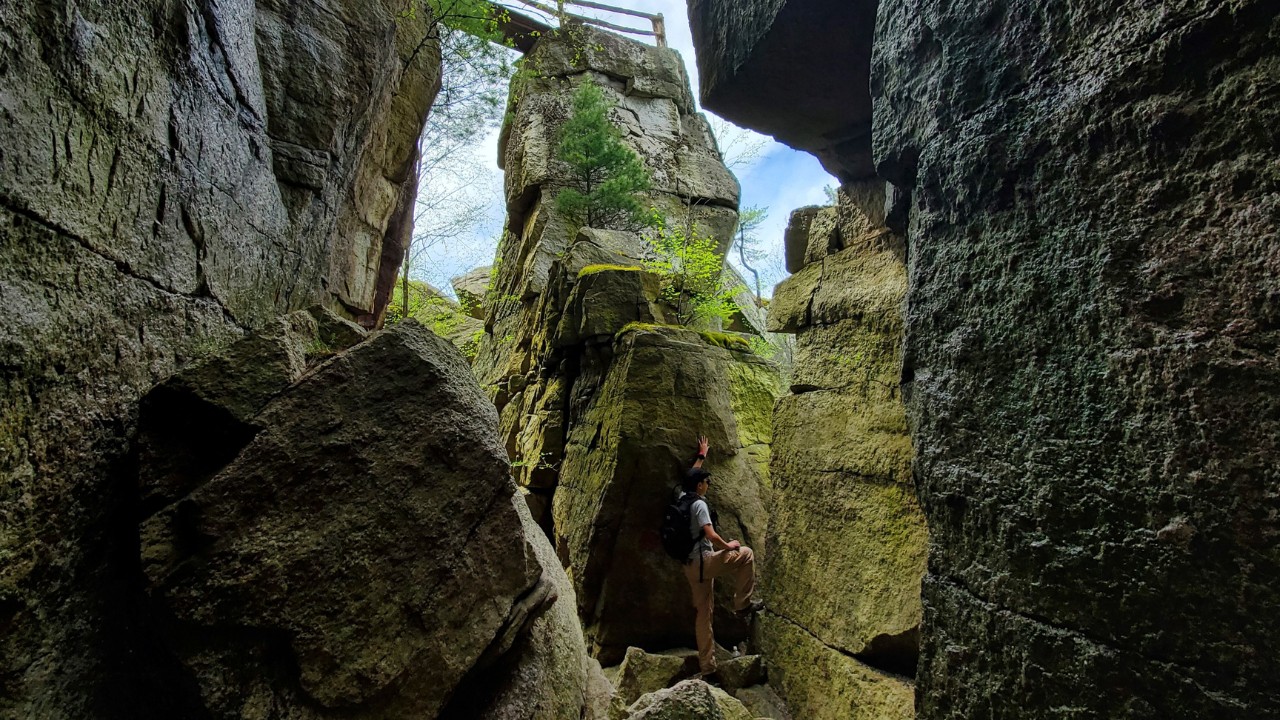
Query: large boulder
{"points": [[665, 387], [174, 175], [548, 675], [689, 700], [362, 553], [642, 673]]}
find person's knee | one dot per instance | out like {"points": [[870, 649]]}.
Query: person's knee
{"points": [[745, 554]]}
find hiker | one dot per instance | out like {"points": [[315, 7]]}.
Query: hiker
{"points": [[712, 557]]}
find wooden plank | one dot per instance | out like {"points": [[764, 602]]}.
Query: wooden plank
{"points": [[610, 8], [583, 19]]}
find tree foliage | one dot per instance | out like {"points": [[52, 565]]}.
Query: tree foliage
{"points": [[457, 184], [748, 242], [606, 176], [694, 282], [426, 305]]}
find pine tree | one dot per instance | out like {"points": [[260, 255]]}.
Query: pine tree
{"points": [[606, 176]]}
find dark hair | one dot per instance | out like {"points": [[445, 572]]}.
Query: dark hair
{"points": [[692, 477]]}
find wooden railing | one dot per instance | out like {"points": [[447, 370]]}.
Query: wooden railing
{"points": [[658, 33]]}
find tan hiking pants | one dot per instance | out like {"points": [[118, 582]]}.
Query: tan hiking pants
{"points": [[739, 564]]}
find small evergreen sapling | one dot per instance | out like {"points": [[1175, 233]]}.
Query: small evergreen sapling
{"points": [[605, 176]]}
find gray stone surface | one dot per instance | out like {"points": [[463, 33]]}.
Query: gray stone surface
{"points": [[689, 700], [547, 675], [794, 70], [295, 577], [172, 176], [471, 288], [1091, 350], [642, 673]]}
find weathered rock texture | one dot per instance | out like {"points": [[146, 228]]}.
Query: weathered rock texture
{"points": [[628, 443], [794, 70], [445, 316], [664, 388], [364, 553], [170, 174], [600, 418], [847, 538], [1091, 350], [548, 673], [689, 700], [1090, 196], [653, 108], [471, 289]]}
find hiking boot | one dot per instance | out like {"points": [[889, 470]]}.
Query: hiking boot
{"points": [[752, 608], [712, 678]]}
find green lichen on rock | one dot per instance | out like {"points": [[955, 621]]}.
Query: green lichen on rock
{"points": [[821, 683], [689, 700], [726, 340], [592, 269], [841, 469], [664, 388]]}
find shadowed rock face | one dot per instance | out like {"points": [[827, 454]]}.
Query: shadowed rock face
{"points": [[1091, 343], [794, 70], [664, 387], [1090, 201], [172, 174], [364, 553]]}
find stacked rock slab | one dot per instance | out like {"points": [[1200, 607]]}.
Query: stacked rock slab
{"points": [[471, 288], [847, 538], [172, 174], [600, 417], [654, 110], [1090, 196], [364, 553]]}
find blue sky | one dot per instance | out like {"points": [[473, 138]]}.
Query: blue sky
{"points": [[780, 179]]}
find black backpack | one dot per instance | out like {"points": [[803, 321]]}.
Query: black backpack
{"points": [[676, 538], [677, 541]]}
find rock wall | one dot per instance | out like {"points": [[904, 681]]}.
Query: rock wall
{"points": [[1091, 351], [654, 110], [791, 70], [846, 536], [1089, 195], [170, 175]]}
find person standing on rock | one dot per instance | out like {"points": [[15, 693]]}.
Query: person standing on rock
{"points": [[712, 557]]}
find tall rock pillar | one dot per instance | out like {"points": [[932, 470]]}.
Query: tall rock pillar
{"points": [[601, 401], [847, 538]]}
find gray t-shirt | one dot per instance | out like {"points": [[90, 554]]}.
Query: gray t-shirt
{"points": [[699, 515]]}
